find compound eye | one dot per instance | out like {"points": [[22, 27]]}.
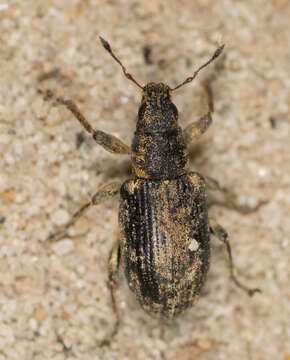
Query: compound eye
{"points": [[141, 110], [174, 110]]}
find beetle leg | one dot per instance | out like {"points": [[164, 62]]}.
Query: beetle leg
{"points": [[222, 235], [113, 270], [230, 199], [105, 193], [107, 141], [196, 129]]}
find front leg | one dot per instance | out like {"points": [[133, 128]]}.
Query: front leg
{"points": [[107, 141], [197, 128], [229, 198]]}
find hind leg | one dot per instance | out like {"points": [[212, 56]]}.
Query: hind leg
{"points": [[113, 271], [222, 235]]}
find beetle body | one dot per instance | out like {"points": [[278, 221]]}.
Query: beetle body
{"points": [[163, 217]]}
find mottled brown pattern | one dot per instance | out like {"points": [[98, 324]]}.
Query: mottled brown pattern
{"points": [[159, 150], [159, 220], [164, 241], [160, 156]]}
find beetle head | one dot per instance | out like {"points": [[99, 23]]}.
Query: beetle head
{"points": [[157, 112]]}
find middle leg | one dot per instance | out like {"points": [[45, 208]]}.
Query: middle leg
{"points": [[229, 198], [105, 193]]}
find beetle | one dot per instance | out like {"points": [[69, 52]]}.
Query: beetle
{"points": [[164, 243]]}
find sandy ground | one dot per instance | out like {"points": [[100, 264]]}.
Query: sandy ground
{"points": [[54, 299]]}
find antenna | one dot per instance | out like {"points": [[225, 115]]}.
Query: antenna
{"points": [[107, 47], [189, 79]]}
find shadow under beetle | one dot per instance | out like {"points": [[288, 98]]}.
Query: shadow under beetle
{"points": [[164, 225]]}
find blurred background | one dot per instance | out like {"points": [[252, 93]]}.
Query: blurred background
{"points": [[54, 298]]}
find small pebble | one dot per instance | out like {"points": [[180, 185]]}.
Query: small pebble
{"points": [[193, 246], [60, 217], [63, 247]]}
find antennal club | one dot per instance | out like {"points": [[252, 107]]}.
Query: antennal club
{"points": [[107, 47], [189, 79]]}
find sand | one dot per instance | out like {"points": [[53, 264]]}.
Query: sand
{"points": [[54, 298]]}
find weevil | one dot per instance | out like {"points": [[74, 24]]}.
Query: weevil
{"points": [[164, 243]]}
